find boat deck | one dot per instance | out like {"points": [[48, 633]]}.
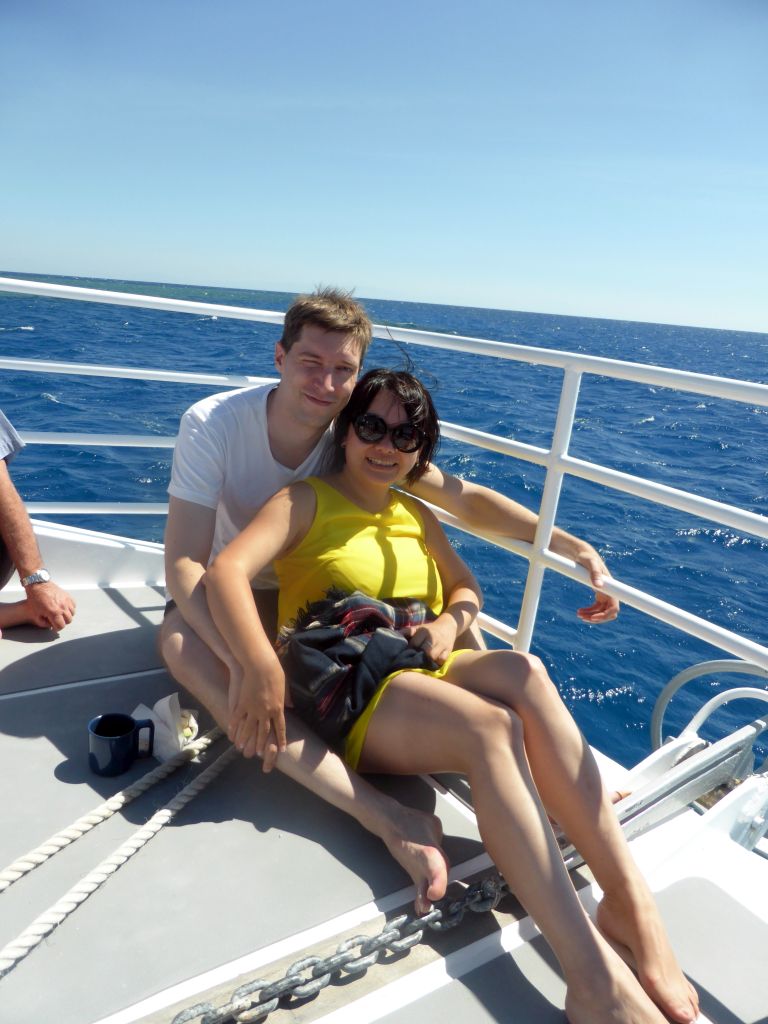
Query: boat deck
{"points": [[255, 870], [251, 861]]}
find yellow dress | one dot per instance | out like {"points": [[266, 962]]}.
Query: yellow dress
{"points": [[382, 554]]}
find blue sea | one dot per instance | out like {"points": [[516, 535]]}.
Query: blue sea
{"points": [[609, 675]]}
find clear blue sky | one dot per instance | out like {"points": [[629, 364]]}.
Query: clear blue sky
{"points": [[602, 158]]}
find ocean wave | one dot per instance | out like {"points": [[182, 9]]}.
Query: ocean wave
{"points": [[728, 538], [592, 696]]}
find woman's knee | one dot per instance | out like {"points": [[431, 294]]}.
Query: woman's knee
{"points": [[483, 727], [497, 725], [530, 674], [510, 674], [523, 664]]}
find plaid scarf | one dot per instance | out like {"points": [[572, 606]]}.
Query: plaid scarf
{"points": [[357, 614]]}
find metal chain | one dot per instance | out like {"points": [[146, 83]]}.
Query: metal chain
{"points": [[305, 978]]}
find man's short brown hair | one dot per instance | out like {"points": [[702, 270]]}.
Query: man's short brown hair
{"points": [[333, 310]]}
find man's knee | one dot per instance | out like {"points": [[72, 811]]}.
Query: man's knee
{"points": [[169, 637], [185, 654]]}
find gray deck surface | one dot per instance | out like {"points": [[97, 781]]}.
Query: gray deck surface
{"points": [[252, 860], [720, 945], [521, 987], [113, 632]]}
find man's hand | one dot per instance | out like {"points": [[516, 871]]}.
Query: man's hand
{"points": [[436, 638], [48, 606], [604, 608], [257, 718]]}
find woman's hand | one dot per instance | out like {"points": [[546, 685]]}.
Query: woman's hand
{"points": [[257, 718], [436, 638]]}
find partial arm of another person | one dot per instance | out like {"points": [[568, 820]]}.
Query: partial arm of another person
{"points": [[46, 604], [463, 598], [485, 509], [257, 725]]}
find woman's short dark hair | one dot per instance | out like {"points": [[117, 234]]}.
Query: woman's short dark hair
{"points": [[414, 398]]}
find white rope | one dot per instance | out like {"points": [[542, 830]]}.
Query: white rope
{"points": [[43, 925], [67, 836]]}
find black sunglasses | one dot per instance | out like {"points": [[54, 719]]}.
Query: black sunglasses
{"points": [[406, 437]]}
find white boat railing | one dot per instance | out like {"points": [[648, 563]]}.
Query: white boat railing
{"points": [[556, 461]]}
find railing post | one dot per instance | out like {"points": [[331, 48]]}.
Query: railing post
{"points": [[550, 497]]}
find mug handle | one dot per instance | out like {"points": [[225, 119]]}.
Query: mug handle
{"points": [[146, 723]]}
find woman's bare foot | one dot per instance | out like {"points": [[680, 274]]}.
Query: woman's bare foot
{"points": [[610, 996], [630, 919], [414, 842], [616, 796]]}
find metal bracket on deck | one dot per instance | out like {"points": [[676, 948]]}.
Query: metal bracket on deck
{"points": [[673, 777]]}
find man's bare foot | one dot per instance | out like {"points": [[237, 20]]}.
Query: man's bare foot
{"points": [[630, 919], [414, 842]]}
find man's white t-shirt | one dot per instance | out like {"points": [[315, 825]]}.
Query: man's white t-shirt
{"points": [[223, 461]]}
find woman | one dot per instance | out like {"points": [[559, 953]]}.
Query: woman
{"points": [[493, 715]]}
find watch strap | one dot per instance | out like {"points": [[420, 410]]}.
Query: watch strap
{"points": [[39, 576]]}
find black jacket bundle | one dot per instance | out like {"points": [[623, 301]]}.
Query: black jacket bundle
{"points": [[338, 650]]}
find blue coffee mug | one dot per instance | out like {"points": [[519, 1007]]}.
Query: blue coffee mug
{"points": [[113, 742]]}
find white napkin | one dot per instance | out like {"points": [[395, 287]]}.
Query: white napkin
{"points": [[175, 726]]}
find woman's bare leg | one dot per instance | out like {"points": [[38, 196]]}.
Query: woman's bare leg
{"points": [[423, 725], [568, 781], [412, 837]]}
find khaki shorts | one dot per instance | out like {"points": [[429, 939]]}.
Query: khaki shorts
{"points": [[7, 568], [266, 603]]}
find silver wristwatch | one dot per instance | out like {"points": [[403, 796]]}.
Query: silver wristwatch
{"points": [[41, 576]]}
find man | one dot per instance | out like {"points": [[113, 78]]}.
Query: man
{"points": [[46, 605], [233, 452]]}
